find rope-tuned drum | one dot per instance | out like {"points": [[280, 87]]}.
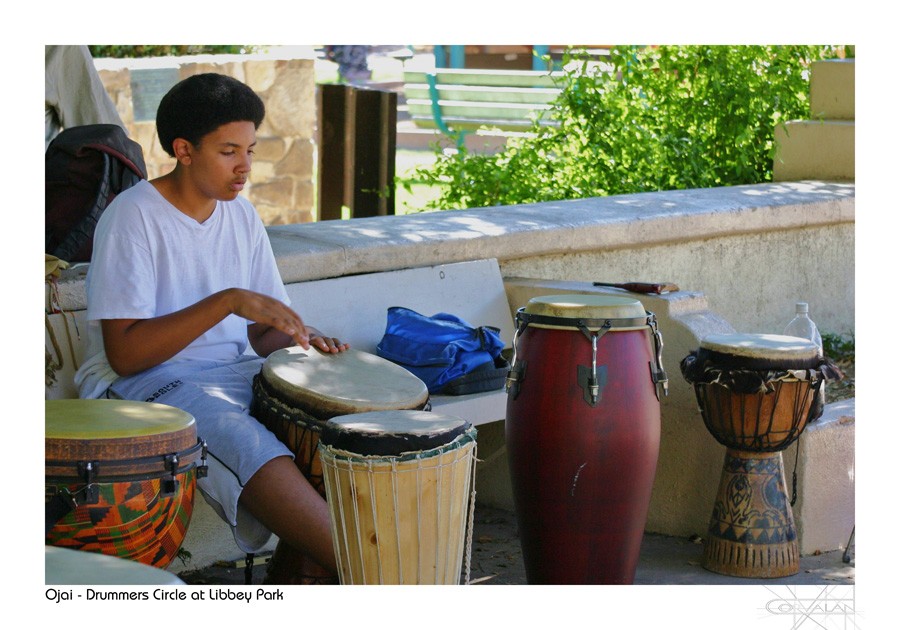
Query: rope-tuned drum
{"points": [[756, 394], [400, 488], [297, 391]]}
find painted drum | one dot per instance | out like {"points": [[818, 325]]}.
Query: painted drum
{"points": [[120, 477], [756, 393], [400, 491], [297, 391], [582, 431]]}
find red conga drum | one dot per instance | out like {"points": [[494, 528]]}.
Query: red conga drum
{"points": [[296, 392], [756, 394], [120, 477], [582, 431]]}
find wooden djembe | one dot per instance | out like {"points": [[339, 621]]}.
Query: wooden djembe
{"points": [[756, 395]]}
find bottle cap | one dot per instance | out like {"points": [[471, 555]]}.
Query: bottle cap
{"points": [[802, 307]]}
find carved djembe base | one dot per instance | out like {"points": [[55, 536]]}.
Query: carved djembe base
{"points": [[751, 530]]}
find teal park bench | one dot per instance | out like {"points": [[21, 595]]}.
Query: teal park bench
{"points": [[458, 100]]}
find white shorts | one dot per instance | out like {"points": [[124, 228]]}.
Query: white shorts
{"points": [[218, 396]]}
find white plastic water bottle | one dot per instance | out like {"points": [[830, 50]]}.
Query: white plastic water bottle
{"points": [[802, 326]]}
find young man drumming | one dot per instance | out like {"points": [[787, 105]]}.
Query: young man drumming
{"points": [[182, 278]]}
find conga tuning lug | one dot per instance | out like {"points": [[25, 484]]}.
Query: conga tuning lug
{"points": [[515, 378], [592, 383]]}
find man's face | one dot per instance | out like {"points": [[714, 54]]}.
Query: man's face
{"points": [[220, 164]]}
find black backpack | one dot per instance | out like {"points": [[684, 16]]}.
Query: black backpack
{"points": [[85, 168]]}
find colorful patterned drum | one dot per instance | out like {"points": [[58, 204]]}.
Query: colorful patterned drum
{"points": [[400, 491], [756, 394], [297, 391], [120, 477], [582, 430]]}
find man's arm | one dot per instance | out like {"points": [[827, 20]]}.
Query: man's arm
{"points": [[135, 345]]}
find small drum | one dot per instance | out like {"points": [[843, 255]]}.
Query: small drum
{"points": [[582, 431], [70, 566], [120, 477], [400, 491], [756, 394], [298, 390]]}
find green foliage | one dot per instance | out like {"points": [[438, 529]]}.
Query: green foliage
{"points": [[120, 52], [839, 347], [652, 118]]}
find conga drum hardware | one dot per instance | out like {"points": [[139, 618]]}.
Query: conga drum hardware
{"points": [[756, 394], [582, 434], [591, 379], [120, 477]]}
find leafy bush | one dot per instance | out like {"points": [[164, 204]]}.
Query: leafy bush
{"points": [[652, 118]]}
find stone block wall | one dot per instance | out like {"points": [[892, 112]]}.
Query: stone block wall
{"points": [[283, 175]]}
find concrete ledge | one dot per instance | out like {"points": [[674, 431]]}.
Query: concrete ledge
{"points": [[328, 249]]}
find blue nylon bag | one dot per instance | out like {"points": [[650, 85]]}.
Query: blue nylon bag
{"points": [[438, 349]]}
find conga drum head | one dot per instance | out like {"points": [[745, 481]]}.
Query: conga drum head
{"points": [[348, 382], [399, 488], [595, 311], [127, 470]]}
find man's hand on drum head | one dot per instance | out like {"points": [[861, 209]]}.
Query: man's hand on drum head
{"points": [[326, 344]]}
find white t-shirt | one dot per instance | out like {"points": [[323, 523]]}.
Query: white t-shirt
{"points": [[150, 259]]}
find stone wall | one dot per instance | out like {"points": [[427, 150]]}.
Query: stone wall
{"points": [[282, 179]]}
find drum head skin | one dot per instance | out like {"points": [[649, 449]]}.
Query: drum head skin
{"points": [[392, 432], [71, 566], [576, 307], [78, 419], [348, 382], [763, 350]]}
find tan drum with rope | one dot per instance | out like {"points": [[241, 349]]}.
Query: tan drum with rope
{"points": [[297, 391], [401, 492]]}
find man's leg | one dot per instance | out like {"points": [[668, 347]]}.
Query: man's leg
{"points": [[281, 498]]}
